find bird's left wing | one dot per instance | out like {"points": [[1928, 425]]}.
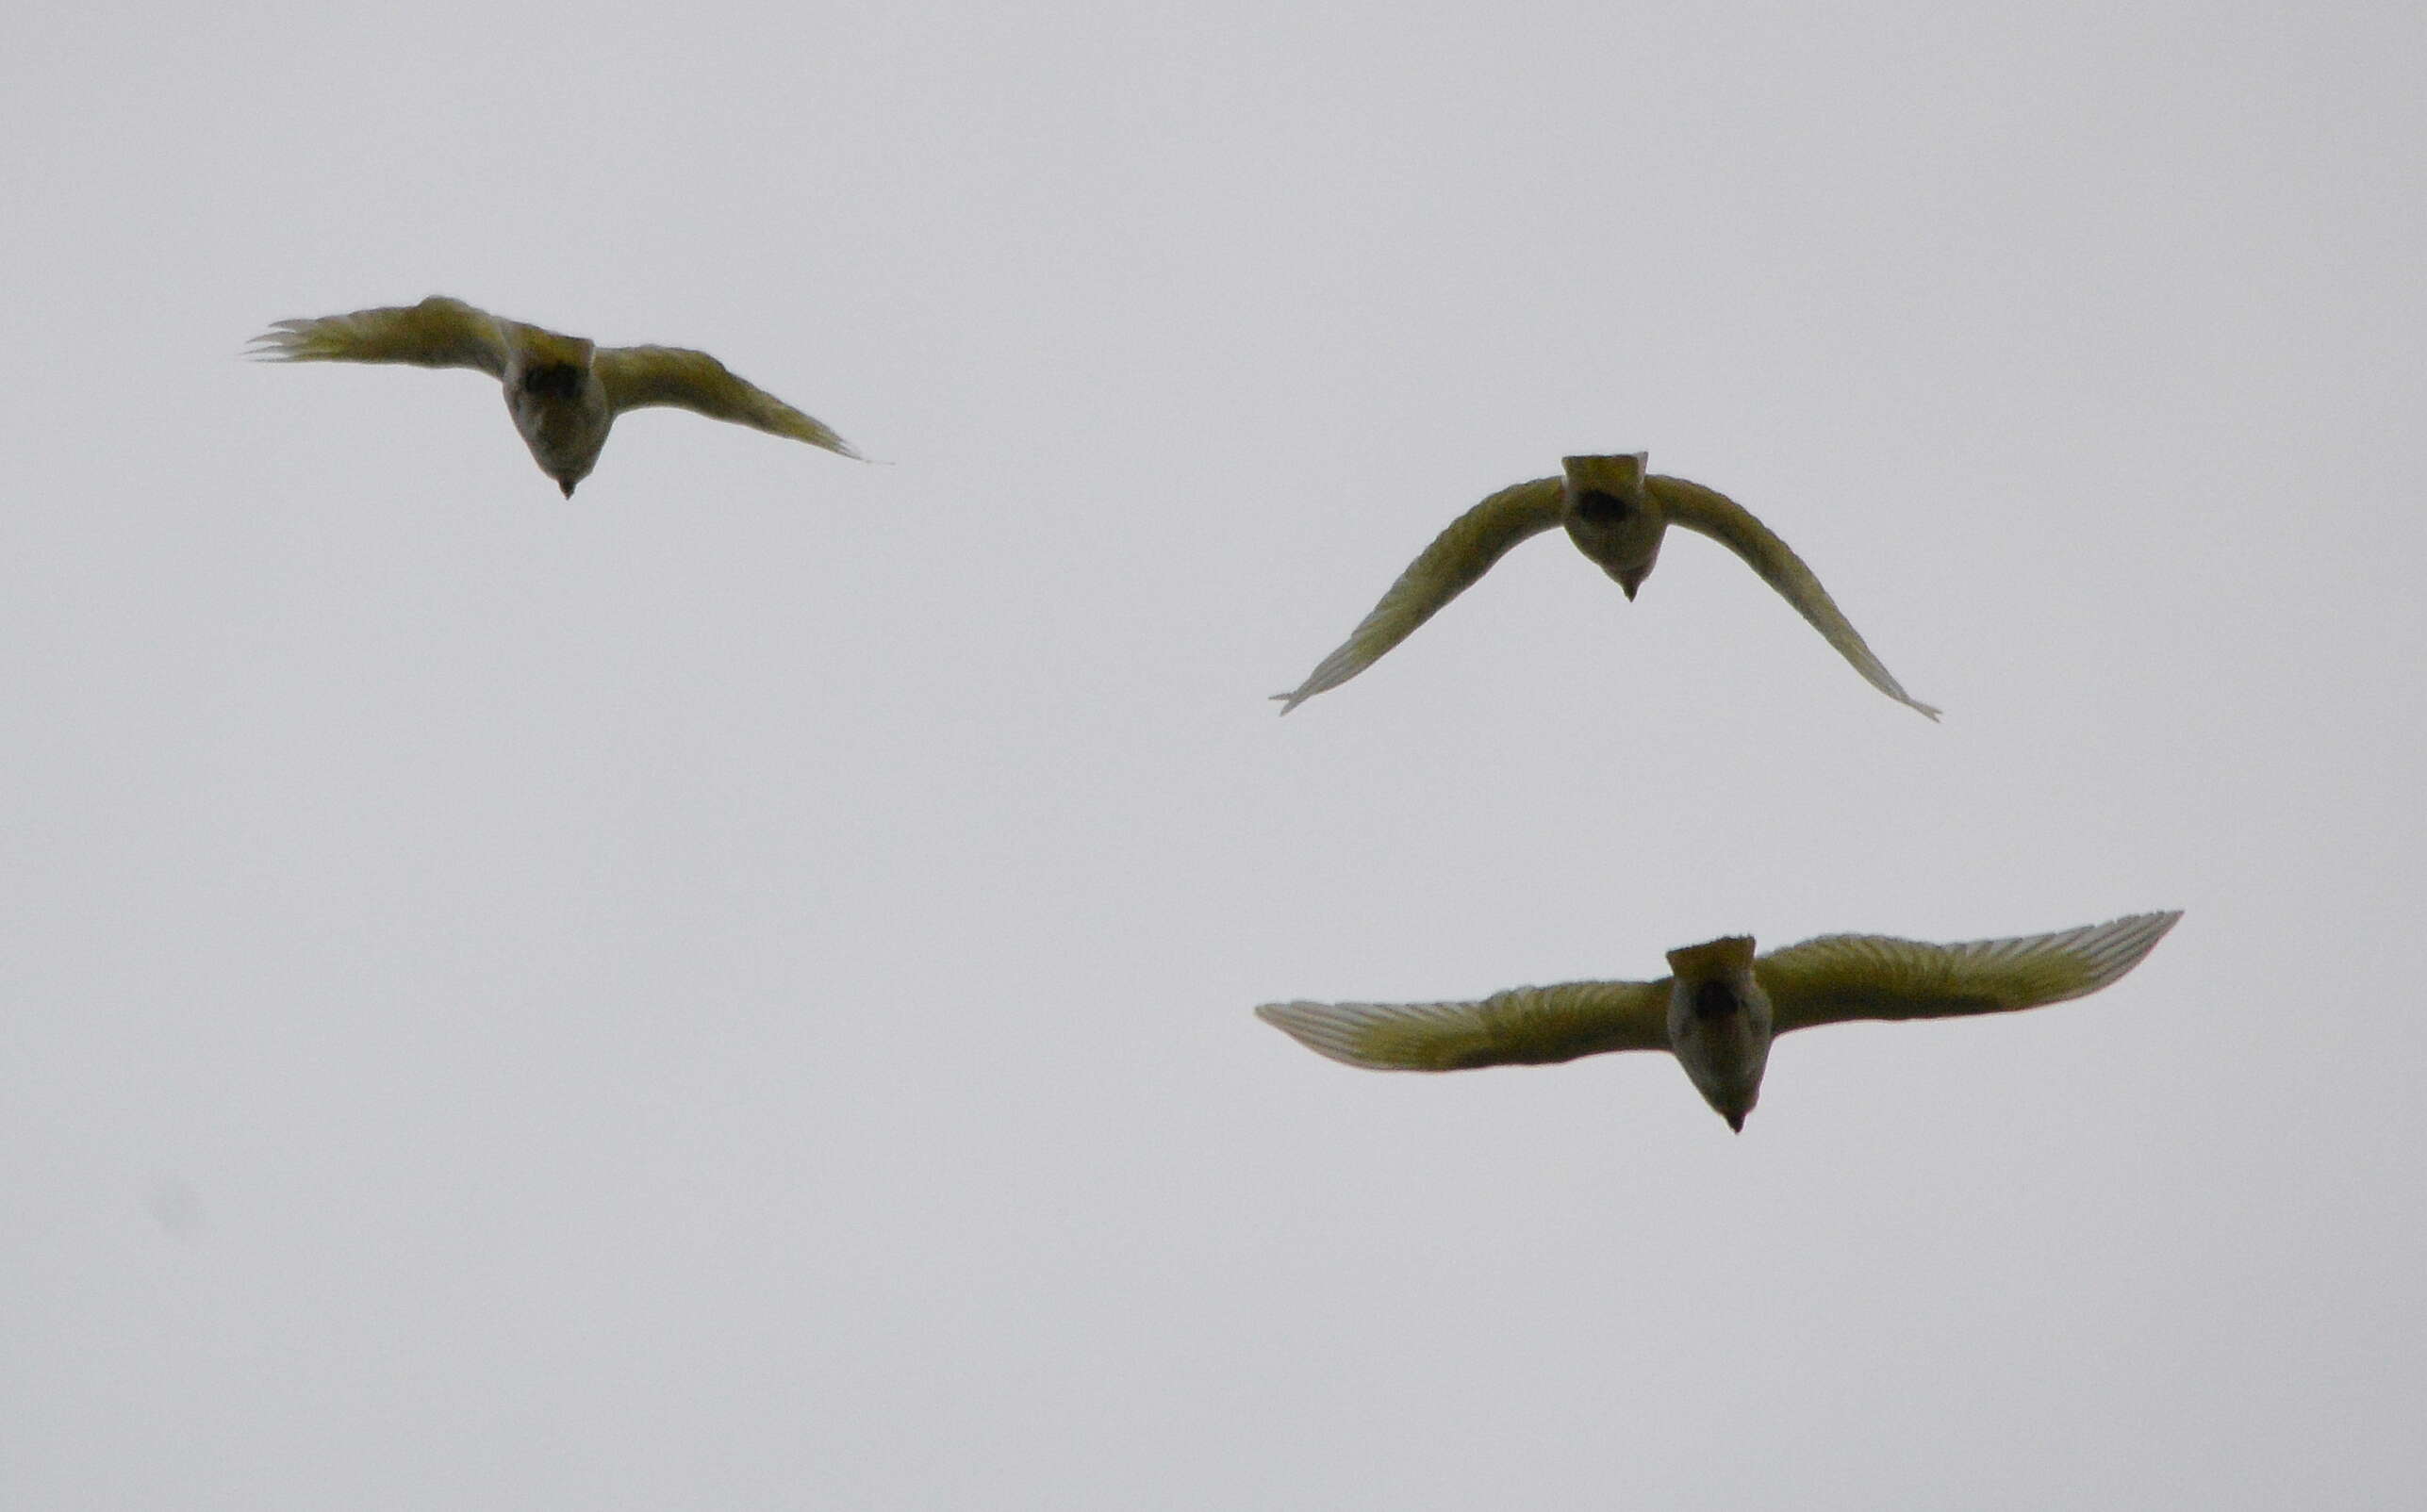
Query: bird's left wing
{"points": [[1841, 977], [1447, 569], [1725, 520], [437, 333], [639, 376], [1526, 1026]]}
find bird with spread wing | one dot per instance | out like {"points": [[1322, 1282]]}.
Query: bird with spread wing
{"points": [[1721, 1007], [563, 391], [1616, 514]]}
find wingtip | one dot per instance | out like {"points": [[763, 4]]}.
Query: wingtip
{"points": [[2113, 949], [2156, 923], [1336, 1031], [1315, 1026]]}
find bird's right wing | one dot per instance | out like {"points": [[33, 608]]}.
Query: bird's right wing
{"points": [[639, 376], [1456, 558], [1725, 520], [1526, 1026], [437, 333], [1841, 977]]}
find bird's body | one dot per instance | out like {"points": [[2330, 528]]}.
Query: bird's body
{"points": [[559, 404], [563, 391], [1721, 1006], [1720, 1023], [1617, 515]]}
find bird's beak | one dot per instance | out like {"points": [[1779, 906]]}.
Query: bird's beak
{"points": [[1735, 1122], [1629, 581], [567, 483]]}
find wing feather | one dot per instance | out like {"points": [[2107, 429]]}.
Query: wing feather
{"points": [[1447, 569], [1526, 1026], [1725, 520], [636, 377], [1841, 977], [437, 333]]}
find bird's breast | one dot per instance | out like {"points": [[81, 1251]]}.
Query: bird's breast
{"points": [[1622, 545], [564, 422]]}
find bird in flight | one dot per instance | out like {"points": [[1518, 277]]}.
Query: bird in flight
{"points": [[1616, 514], [563, 391], [1721, 1005]]}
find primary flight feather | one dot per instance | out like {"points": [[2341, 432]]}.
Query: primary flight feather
{"points": [[563, 391], [1616, 514], [1721, 1005]]}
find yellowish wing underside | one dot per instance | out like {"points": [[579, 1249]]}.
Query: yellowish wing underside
{"points": [[1842, 976], [1715, 514], [437, 333], [1526, 1026], [636, 377], [1447, 569]]}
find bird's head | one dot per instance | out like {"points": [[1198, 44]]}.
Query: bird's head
{"points": [[567, 468], [1612, 518], [1720, 1023]]}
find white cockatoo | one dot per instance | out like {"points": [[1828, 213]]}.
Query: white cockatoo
{"points": [[1616, 514], [563, 391], [1721, 1005]]}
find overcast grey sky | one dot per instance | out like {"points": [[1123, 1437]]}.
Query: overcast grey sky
{"points": [[733, 992]]}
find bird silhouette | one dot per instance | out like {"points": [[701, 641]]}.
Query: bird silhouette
{"points": [[1721, 1006], [1616, 514], [563, 391]]}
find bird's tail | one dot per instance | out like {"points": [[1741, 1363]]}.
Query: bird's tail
{"points": [[1622, 474], [546, 349], [1714, 958]]}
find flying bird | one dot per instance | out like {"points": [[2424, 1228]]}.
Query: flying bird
{"points": [[563, 391], [1721, 1006], [1616, 514]]}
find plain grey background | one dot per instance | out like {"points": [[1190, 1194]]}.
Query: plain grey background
{"points": [[733, 991]]}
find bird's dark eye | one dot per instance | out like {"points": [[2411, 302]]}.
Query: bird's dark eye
{"points": [[1603, 507], [1713, 999]]}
